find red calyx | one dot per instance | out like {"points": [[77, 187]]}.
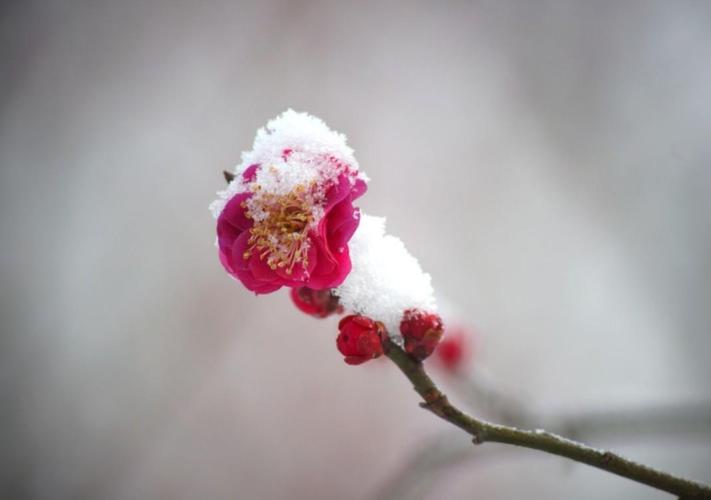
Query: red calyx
{"points": [[421, 332], [360, 339]]}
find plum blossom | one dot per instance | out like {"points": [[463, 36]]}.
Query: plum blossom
{"points": [[288, 215]]}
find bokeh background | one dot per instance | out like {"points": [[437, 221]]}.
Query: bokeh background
{"points": [[548, 162]]}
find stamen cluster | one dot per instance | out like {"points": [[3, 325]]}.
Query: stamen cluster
{"points": [[282, 236]]}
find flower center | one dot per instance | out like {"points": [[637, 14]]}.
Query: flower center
{"points": [[281, 227]]}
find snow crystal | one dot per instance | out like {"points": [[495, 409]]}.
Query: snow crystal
{"points": [[385, 279], [294, 149]]}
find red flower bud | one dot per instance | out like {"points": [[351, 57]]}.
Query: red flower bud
{"points": [[360, 339], [317, 303], [421, 332], [455, 350]]}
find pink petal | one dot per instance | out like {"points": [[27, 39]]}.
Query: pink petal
{"points": [[359, 188], [233, 213], [250, 173], [340, 225], [241, 269], [261, 270]]}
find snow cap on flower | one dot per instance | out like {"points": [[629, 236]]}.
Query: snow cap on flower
{"points": [[287, 216], [296, 145], [385, 280]]}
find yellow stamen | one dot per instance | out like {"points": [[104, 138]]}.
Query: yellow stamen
{"points": [[281, 236]]}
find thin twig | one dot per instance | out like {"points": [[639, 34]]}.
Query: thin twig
{"points": [[481, 431], [414, 480]]}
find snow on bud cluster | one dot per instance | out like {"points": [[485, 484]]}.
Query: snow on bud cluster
{"points": [[385, 279]]}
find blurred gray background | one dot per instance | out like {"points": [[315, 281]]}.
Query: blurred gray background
{"points": [[548, 163]]}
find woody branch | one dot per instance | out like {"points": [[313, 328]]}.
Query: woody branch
{"points": [[481, 431]]}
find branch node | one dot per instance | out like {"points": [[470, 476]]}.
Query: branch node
{"points": [[434, 398], [477, 439], [436, 402]]}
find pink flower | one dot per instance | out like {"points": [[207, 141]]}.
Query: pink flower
{"points": [[268, 239], [360, 339]]}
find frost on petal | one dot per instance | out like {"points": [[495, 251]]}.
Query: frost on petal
{"points": [[294, 149], [385, 278]]}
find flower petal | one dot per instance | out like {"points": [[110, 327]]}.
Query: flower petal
{"points": [[341, 224], [250, 172], [234, 214], [241, 270], [261, 270]]}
